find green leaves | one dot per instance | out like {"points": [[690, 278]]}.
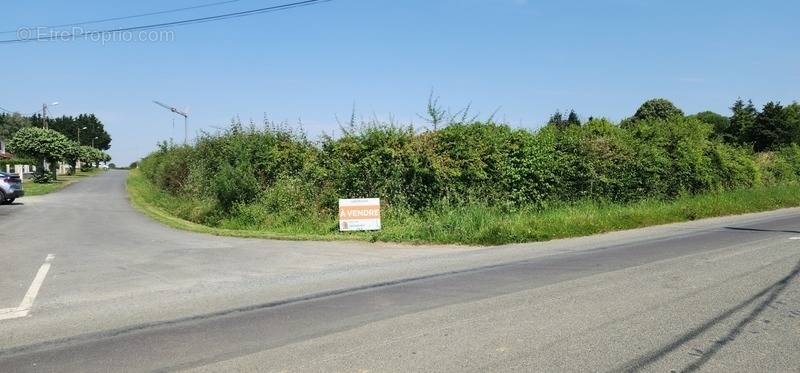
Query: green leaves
{"points": [[40, 143], [658, 108], [49, 145], [659, 154], [88, 154]]}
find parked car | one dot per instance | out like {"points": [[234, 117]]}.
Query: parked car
{"points": [[10, 188]]}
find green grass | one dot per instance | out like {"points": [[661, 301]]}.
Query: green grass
{"points": [[471, 225], [34, 189]]}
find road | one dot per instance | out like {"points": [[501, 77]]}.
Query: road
{"points": [[123, 293]]}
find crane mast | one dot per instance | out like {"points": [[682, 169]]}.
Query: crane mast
{"points": [[184, 114]]}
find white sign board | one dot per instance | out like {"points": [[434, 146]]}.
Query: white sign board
{"points": [[360, 214]]}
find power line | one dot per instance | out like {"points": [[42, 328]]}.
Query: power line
{"points": [[192, 21], [91, 22]]}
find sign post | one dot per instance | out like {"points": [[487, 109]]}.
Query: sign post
{"points": [[359, 214]]}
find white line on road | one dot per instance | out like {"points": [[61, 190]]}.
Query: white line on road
{"points": [[25, 306]]}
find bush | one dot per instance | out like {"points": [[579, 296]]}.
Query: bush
{"points": [[43, 178], [276, 177], [233, 185]]}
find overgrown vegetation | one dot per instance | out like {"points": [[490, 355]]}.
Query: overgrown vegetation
{"points": [[481, 182]]}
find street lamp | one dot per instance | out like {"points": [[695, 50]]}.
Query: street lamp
{"points": [[44, 112], [95, 138], [79, 134]]}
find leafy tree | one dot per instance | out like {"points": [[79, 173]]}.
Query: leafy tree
{"points": [[793, 120], [92, 156], [572, 119], [94, 132], [658, 109], [771, 129], [743, 118], [719, 122], [71, 156], [558, 120], [11, 123], [45, 145]]}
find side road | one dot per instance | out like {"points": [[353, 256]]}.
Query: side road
{"points": [[115, 270]]}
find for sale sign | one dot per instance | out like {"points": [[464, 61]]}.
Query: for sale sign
{"points": [[360, 214]]}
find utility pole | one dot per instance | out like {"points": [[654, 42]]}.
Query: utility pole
{"points": [[44, 113]]}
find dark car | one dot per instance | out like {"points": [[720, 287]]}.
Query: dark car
{"points": [[10, 188]]}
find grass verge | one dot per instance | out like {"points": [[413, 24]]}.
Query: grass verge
{"points": [[474, 225], [34, 189]]}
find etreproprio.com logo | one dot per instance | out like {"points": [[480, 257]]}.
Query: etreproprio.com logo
{"points": [[103, 37]]}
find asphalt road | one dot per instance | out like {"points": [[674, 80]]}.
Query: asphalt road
{"points": [[126, 294]]}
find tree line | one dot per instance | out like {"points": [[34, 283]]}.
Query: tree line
{"points": [[84, 129], [770, 128], [67, 139]]}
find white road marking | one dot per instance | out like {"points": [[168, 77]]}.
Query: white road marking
{"points": [[24, 308], [794, 238]]}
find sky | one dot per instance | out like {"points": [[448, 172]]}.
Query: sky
{"points": [[315, 64]]}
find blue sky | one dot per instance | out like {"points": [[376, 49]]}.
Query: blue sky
{"points": [[602, 58]]}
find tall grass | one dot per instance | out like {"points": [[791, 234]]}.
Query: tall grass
{"points": [[475, 183], [472, 224]]}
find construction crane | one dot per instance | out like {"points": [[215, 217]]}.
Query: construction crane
{"points": [[184, 114]]}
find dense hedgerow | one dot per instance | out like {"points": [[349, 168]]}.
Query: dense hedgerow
{"points": [[274, 176]]}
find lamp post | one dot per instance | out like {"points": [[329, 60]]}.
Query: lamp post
{"points": [[79, 134], [95, 138]]}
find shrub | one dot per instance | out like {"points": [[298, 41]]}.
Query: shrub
{"points": [[233, 185], [43, 178], [248, 177]]}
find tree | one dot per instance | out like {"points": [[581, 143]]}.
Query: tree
{"points": [[658, 108], [557, 119], [91, 156], [71, 155], [743, 118], [771, 129], [719, 122], [793, 120], [572, 119], [45, 145], [94, 131], [11, 123]]}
